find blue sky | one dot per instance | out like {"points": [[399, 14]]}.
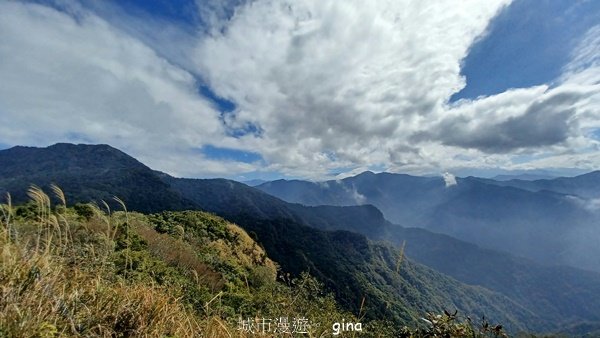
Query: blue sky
{"points": [[528, 44], [176, 10], [309, 89]]}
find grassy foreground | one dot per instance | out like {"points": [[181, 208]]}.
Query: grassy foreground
{"points": [[91, 272]]}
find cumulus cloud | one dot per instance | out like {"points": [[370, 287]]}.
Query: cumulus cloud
{"points": [[526, 118], [74, 77], [549, 123], [341, 83], [351, 85]]}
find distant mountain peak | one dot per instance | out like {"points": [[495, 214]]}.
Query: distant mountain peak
{"points": [[86, 172], [254, 182], [63, 145], [366, 173]]}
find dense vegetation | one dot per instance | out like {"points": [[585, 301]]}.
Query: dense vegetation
{"points": [[83, 271]]}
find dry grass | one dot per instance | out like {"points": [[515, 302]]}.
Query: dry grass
{"points": [[244, 251], [177, 252], [56, 278], [50, 288], [42, 296]]}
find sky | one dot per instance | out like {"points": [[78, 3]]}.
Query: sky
{"points": [[311, 89]]}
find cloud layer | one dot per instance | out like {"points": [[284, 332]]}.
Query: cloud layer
{"points": [[349, 84], [342, 83], [74, 77], [325, 86]]}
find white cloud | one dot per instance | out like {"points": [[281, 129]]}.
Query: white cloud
{"points": [[449, 179], [528, 118], [358, 198], [341, 83], [538, 127], [591, 205], [216, 13], [584, 67], [349, 84], [67, 78]]}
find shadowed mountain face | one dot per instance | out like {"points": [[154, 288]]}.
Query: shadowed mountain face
{"points": [[515, 291], [525, 218], [86, 173]]}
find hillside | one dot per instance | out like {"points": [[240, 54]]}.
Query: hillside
{"points": [[121, 274], [347, 263], [87, 172]]}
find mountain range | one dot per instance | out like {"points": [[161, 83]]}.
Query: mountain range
{"points": [[553, 222], [353, 249]]}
